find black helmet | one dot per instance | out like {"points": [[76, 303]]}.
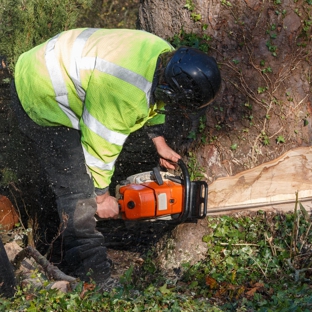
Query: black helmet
{"points": [[192, 79]]}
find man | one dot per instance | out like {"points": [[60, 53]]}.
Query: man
{"points": [[79, 96]]}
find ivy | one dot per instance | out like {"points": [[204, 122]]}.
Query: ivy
{"points": [[201, 42]]}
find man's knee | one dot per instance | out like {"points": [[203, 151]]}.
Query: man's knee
{"points": [[83, 218]]}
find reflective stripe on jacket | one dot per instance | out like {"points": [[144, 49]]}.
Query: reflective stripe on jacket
{"points": [[97, 81]]}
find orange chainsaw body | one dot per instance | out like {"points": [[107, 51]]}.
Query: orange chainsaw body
{"points": [[150, 200]]}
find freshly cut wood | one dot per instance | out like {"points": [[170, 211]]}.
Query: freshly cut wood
{"points": [[271, 185]]}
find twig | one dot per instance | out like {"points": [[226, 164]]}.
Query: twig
{"points": [[16, 205], [61, 229], [257, 264], [269, 240], [306, 236], [293, 241], [242, 244]]}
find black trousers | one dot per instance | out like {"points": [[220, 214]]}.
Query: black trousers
{"points": [[62, 164], [7, 278]]}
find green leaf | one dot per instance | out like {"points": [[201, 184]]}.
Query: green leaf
{"points": [[188, 6], [196, 17], [164, 290], [234, 146], [192, 135], [280, 139]]}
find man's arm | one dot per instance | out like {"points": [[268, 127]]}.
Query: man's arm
{"points": [[107, 206], [165, 152]]}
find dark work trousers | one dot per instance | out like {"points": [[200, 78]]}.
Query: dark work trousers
{"points": [[62, 163]]}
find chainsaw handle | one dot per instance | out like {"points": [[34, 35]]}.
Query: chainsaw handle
{"points": [[187, 190]]}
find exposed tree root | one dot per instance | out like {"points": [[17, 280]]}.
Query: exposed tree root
{"points": [[52, 272]]}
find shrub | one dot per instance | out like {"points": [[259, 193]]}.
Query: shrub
{"points": [[27, 23]]}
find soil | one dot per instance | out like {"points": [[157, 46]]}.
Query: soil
{"points": [[263, 50], [264, 107]]}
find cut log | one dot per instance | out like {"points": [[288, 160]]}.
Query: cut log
{"points": [[272, 185]]}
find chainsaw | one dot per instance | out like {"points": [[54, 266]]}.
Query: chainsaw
{"points": [[159, 195]]}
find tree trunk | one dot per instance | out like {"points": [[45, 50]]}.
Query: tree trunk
{"points": [[167, 18], [263, 51]]}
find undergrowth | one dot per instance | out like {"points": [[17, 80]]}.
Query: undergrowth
{"points": [[259, 262]]}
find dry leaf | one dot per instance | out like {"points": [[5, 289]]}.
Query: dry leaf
{"points": [[139, 261], [240, 292], [86, 287], [252, 291], [211, 282]]}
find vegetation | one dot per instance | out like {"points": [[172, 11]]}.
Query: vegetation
{"points": [[25, 24], [260, 262], [254, 263]]}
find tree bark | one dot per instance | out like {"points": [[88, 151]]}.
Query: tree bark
{"points": [[167, 18]]}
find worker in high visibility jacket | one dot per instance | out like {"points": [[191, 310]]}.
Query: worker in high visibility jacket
{"points": [[78, 96]]}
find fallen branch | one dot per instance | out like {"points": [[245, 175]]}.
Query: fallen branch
{"points": [[52, 272]]}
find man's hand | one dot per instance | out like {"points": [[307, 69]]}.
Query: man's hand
{"points": [[107, 206], [165, 152]]}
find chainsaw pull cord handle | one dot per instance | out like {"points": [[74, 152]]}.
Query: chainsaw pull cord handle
{"points": [[187, 189]]}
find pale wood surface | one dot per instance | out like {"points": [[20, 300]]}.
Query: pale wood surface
{"points": [[272, 185]]}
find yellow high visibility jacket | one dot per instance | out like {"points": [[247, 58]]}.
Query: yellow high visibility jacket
{"points": [[97, 81]]}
